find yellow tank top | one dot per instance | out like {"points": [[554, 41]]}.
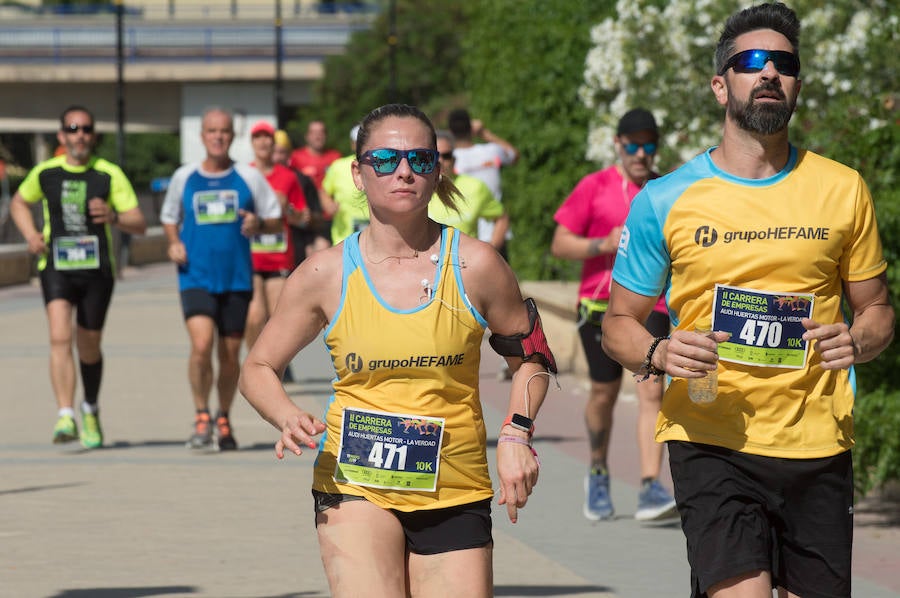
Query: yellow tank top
{"points": [[406, 383]]}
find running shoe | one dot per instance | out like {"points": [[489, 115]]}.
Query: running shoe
{"points": [[223, 434], [203, 434], [91, 433], [654, 503], [597, 501], [65, 430]]}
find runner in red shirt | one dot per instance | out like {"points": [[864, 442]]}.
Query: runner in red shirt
{"points": [[273, 254], [313, 160]]}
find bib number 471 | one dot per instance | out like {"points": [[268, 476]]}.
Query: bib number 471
{"points": [[378, 458], [756, 333]]}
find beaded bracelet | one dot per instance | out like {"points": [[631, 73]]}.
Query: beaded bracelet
{"points": [[647, 368], [519, 440]]}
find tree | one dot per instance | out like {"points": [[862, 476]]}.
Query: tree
{"points": [[427, 54], [524, 63], [147, 156]]}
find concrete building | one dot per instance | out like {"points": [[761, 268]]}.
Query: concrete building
{"points": [[178, 56]]}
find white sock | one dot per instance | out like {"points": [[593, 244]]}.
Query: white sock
{"points": [[67, 411], [88, 408]]}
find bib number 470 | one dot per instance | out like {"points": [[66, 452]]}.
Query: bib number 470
{"points": [[758, 333], [378, 458]]}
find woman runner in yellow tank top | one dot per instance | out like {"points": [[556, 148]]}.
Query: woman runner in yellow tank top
{"points": [[401, 484]]}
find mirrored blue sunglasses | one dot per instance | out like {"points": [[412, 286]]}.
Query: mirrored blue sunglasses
{"points": [[753, 61], [632, 148], [386, 160]]}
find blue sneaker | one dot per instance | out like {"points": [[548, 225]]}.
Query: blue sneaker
{"points": [[654, 503], [597, 502]]}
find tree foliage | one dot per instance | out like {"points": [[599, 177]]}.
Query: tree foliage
{"points": [[524, 63], [661, 57], [147, 156], [426, 58]]}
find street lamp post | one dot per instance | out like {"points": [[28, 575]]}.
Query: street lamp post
{"points": [[279, 57], [120, 85]]}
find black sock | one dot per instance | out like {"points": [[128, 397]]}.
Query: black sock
{"points": [[645, 481], [91, 374]]}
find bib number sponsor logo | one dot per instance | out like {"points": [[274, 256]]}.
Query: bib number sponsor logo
{"points": [[765, 327], [389, 450]]}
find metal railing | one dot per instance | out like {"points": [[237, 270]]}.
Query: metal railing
{"points": [[142, 42], [197, 9]]}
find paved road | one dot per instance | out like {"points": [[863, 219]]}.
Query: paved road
{"points": [[145, 517]]}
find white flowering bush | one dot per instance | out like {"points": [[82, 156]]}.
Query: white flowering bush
{"points": [[661, 58]]}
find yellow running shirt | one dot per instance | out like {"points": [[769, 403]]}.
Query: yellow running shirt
{"points": [[405, 427], [757, 256]]}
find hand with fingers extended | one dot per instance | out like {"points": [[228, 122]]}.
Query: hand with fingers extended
{"points": [[298, 429], [690, 354], [518, 468]]}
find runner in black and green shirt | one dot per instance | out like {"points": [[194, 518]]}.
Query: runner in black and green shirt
{"points": [[83, 197]]}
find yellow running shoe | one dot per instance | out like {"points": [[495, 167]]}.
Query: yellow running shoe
{"points": [[65, 430]]}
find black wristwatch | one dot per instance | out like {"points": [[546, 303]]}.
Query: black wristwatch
{"points": [[520, 422]]}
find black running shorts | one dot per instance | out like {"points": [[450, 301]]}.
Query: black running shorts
{"points": [[602, 367], [432, 531], [741, 513], [228, 310], [90, 293]]}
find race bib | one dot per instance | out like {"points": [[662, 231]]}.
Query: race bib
{"points": [[272, 243], [76, 253], [765, 327], [389, 450], [215, 207]]}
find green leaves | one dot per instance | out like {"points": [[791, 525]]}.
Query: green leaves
{"points": [[524, 63], [427, 68]]}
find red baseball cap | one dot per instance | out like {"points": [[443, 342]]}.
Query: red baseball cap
{"points": [[262, 127]]}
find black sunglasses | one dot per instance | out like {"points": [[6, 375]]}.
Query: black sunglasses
{"points": [[632, 148], [753, 61], [73, 128]]}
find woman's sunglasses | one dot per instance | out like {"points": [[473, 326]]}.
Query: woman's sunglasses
{"points": [[386, 160], [753, 61]]}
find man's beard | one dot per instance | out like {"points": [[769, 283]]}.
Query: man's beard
{"points": [[79, 152], [765, 118]]}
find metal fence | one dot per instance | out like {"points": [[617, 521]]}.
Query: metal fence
{"points": [[197, 9], [177, 41]]}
